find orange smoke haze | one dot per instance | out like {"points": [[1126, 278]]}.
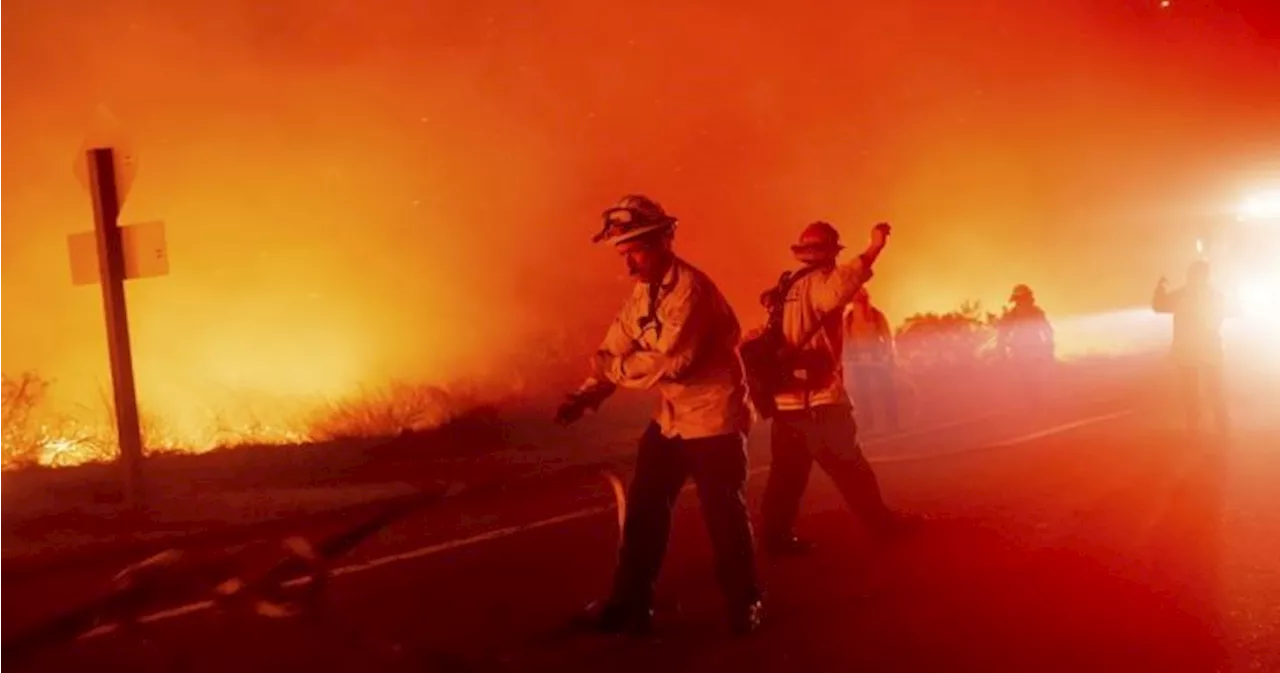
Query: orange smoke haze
{"points": [[356, 192]]}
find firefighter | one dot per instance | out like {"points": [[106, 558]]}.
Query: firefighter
{"points": [[1198, 312], [814, 418], [871, 360], [1025, 339], [675, 333]]}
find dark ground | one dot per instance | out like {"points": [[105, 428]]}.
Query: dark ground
{"points": [[1093, 536]]}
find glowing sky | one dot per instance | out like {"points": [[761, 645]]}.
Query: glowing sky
{"points": [[356, 194]]}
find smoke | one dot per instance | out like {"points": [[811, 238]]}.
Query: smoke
{"points": [[355, 193]]}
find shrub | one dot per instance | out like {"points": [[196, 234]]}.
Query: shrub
{"points": [[22, 395], [947, 343]]}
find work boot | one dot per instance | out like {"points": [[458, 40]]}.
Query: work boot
{"points": [[623, 618], [746, 620], [788, 545]]}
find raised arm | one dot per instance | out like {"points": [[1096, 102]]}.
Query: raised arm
{"points": [[1162, 300], [836, 289]]}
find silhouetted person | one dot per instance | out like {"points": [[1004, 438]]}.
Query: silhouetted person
{"points": [[870, 357], [814, 418], [1198, 312], [676, 333], [1025, 339]]}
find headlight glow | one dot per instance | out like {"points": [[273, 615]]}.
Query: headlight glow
{"points": [[1263, 206], [1256, 296]]}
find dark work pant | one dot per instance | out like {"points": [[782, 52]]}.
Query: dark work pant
{"points": [[1198, 382], [874, 393], [1034, 373], [829, 435], [718, 466]]}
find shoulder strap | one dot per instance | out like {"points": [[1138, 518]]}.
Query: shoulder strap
{"points": [[778, 294], [821, 322], [813, 331]]}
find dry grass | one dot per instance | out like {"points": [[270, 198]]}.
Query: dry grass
{"points": [[396, 409], [37, 434], [933, 348], [21, 398]]}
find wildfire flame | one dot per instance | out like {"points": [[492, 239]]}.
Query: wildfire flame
{"points": [[352, 197], [77, 443], [39, 431]]}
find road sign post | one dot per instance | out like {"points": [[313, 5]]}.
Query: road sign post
{"points": [[104, 193]]}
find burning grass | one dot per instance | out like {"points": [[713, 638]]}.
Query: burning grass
{"points": [[34, 436], [936, 352], [35, 433]]}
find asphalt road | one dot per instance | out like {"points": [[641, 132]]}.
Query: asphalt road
{"points": [[1095, 536]]}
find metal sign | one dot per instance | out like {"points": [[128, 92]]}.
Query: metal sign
{"points": [[146, 253], [108, 132], [126, 164]]}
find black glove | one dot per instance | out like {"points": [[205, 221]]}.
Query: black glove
{"points": [[571, 410]]}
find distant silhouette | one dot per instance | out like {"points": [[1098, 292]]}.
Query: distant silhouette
{"points": [[1025, 339], [1198, 311], [870, 356]]}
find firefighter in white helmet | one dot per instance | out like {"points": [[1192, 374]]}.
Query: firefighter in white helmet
{"points": [[814, 418], [678, 334]]}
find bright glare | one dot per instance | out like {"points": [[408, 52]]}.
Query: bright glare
{"points": [[1256, 297], [1261, 206]]}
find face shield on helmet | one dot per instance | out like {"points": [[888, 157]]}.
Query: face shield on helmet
{"points": [[641, 231], [633, 216]]}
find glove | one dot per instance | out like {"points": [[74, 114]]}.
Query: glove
{"points": [[571, 410], [578, 403]]}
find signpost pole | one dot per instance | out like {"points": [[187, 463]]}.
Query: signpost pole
{"points": [[106, 211]]}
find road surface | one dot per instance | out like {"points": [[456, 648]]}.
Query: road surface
{"points": [[1094, 537]]}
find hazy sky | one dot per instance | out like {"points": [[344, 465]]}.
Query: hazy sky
{"points": [[410, 189]]}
